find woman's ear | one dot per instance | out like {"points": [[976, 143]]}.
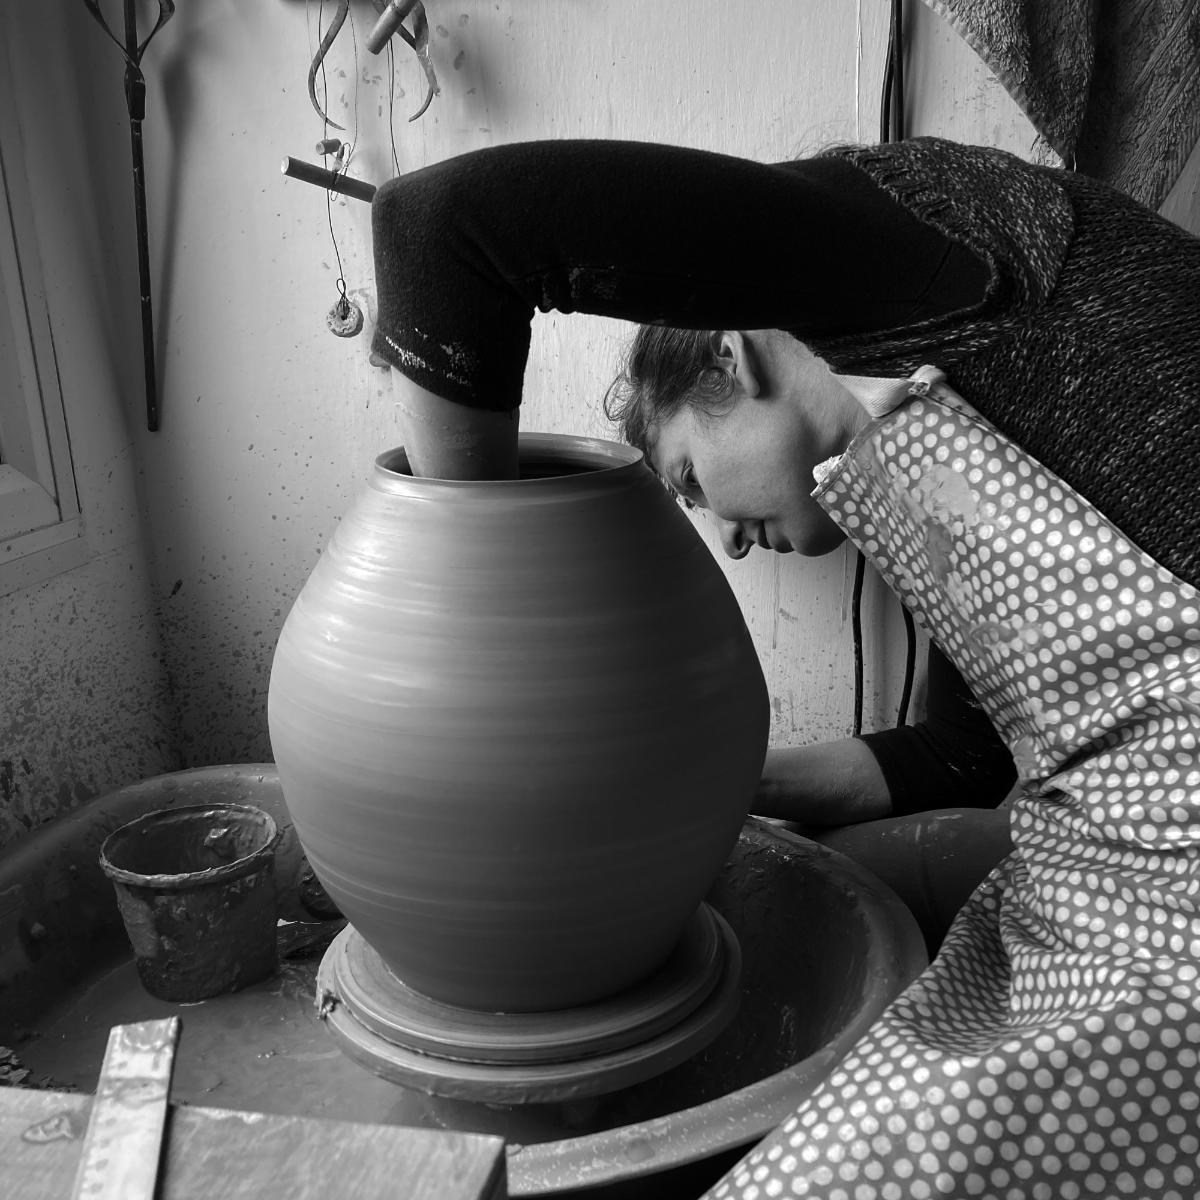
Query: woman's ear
{"points": [[736, 352]]}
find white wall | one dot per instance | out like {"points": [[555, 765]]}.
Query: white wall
{"points": [[205, 531], [84, 705], [270, 423]]}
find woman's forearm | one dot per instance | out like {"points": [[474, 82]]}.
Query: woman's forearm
{"points": [[445, 440], [466, 250], [953, 758]]}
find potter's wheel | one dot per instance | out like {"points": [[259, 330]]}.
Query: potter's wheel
{"points": [[519, 1058]]}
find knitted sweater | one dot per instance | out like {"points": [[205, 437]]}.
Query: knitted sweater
{"points": [[1062, 311], [1086, 348]]}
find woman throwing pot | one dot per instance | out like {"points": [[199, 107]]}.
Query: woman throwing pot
{"points": [[987, 375]]}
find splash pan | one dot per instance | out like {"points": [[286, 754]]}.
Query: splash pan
{"points": [[523, 1058], [824, 947]]}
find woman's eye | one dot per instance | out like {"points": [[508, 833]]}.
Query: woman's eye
{"points": [[688, 478]]}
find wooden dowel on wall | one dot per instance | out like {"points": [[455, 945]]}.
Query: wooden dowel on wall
{"points": [[333, 181]]}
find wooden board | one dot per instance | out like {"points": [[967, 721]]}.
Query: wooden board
{"points": [[223, 1154]]}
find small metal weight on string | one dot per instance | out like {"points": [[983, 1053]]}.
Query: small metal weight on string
{"points": [[345, 318]]}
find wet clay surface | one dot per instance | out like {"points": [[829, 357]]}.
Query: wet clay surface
{"points": [[824, 947], [264, 1048], [261, 1049]]}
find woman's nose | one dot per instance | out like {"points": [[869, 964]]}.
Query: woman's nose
{"points": [[734, 539]]}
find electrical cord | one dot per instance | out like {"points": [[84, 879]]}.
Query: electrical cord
{"points": [[860, 570], [891, 129], [891, 105]]}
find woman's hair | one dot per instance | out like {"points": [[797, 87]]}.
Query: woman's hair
{"points": [[665, 370]]}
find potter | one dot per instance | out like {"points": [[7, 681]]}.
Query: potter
{"points": [[890, 343]]}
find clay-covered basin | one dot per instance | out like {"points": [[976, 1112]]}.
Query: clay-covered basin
{"points": [[518, 724], [825, 946]]}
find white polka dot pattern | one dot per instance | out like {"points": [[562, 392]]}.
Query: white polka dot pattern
{"points": [[1053, 1047]]}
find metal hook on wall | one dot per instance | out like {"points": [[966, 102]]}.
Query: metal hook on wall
{"points": [[391, 20]]}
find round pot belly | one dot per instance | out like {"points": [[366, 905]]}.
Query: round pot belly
{"points": [[518, 725]]}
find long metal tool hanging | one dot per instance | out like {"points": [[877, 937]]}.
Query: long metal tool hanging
{"points": [[135, 100]]}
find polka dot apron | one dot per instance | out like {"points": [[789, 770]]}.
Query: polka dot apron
{"points": [[1051, 1049]]}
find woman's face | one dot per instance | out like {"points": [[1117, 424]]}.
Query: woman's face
{"points": [[751, 463]]}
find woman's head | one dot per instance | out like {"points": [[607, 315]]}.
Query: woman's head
{"points": [[734, 421], [666, 370]]}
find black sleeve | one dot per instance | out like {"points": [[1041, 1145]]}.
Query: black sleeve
{"points": [[467, 249], [952, 759]]}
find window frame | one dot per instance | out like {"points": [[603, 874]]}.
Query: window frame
{"points": [[41, 526]]}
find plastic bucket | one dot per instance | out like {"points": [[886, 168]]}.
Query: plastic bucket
{"points": [[196, 890]]}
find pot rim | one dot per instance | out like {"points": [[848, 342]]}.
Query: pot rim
{"points": [[185, 814], [590, 457]]}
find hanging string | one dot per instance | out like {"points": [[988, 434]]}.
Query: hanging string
{"points": [[392, 109], [357, 70], [327, 141], [345, 318], [341, 282]]}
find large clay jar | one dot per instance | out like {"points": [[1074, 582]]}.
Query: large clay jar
{"points": [[518, 725]]}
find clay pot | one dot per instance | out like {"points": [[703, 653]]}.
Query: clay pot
{"points": [[518, 725]]}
